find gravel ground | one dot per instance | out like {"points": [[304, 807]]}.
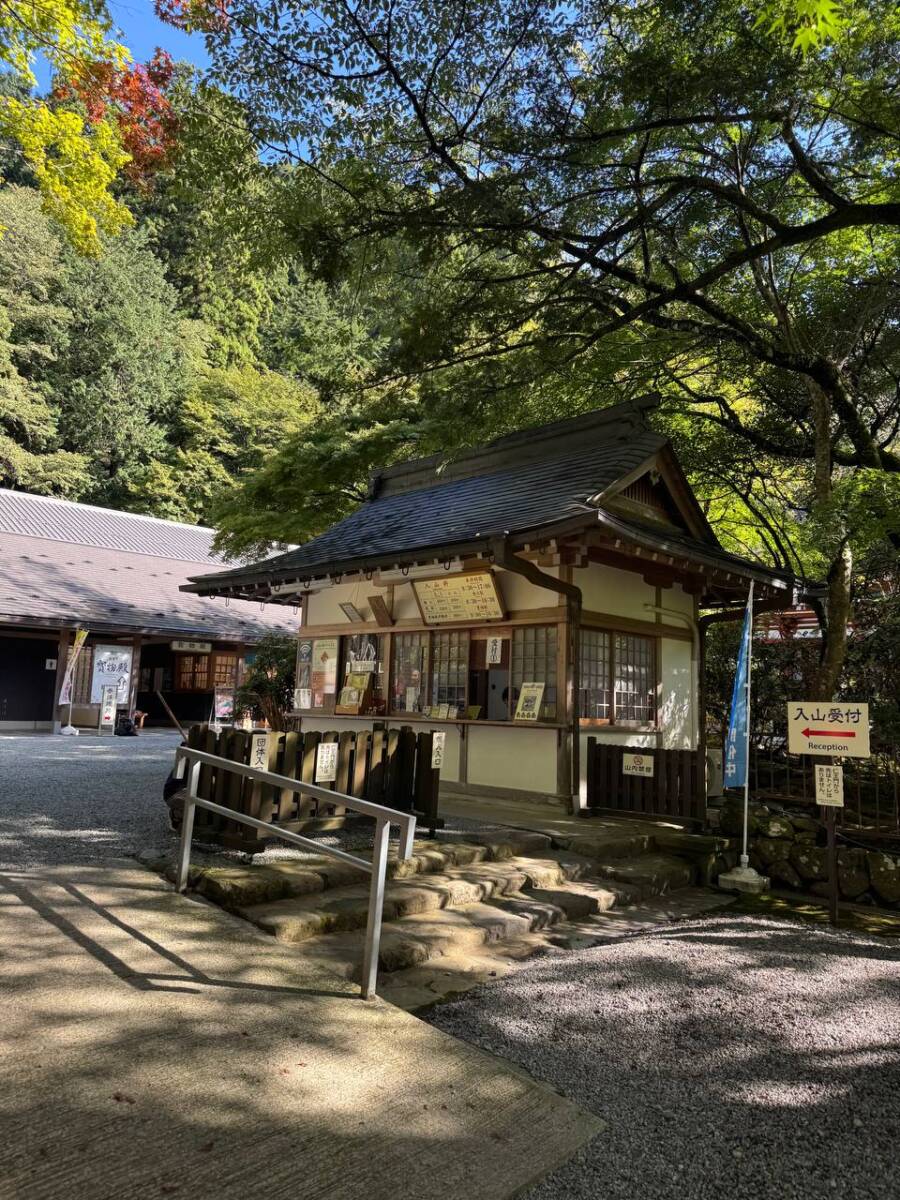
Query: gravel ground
{"points": [[731, 1056], [79, 800]]}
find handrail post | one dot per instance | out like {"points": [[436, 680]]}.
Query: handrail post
{"points": [[187, 827], [376, 903]]}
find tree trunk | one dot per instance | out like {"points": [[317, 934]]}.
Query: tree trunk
{"points": [[839, 607]]}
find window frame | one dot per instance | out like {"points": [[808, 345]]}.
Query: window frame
{"points": [[613, 721]]}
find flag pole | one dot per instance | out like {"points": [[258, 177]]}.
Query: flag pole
{"points": [[745, 857], [743, 877]]}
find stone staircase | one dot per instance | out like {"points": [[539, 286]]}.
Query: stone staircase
{"points": [[469, 907]]}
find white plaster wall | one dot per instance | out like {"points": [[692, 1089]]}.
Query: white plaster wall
{"points": [[519, 593], [624, 594], [678, 704], [518, 758], [322, 607]]}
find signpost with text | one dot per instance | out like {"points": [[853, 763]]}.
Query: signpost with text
{"points": [[833, 729]]}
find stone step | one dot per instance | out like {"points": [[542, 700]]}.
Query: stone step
{"points": [[238, 886], [414, 940], [650, 874], [298, 918], [607, 845], [504, 843]]}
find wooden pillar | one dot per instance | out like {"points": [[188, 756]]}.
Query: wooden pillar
{"points": [[62, 658], [136, 642]]}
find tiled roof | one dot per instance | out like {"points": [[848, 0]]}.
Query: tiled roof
{"points": [[523, 482], [105, 528], [62, 563]]}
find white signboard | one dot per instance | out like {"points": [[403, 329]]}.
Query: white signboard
{"points": [[823, 727], [830, 786], [638, 764], [302, 697], [438, 742], [326, 762], [112, 664], [108, 706], [494, 651], [192, 647], [259, 751]]}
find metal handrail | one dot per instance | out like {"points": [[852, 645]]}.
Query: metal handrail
{"points": [[377, 868]]}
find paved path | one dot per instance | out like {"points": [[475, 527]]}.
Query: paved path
{"points": [[151, 1045], [80, 800]]}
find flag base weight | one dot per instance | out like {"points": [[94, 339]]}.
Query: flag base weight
{"points": [[745, 880], [69, 731]]}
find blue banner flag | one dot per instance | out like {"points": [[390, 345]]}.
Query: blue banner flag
{"points": [[736, 741]]}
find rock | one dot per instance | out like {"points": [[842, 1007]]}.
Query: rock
{"points": [[776, 827], [806, 839], [884, 873], [803, 824], [853, 873], [781, 871], [821, 889], [810, 862], [771, 850], [732, 820]]}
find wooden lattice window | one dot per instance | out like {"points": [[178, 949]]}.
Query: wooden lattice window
{"points": [[450, 669], [534, 661], [596, 675], [225, 670], [635, 679], [192, 673], [618, 677], [409, 670]]}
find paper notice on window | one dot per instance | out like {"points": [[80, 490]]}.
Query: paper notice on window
{"points": [[528, 706]]}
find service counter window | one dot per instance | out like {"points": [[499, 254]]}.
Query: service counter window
{"points": [[449, 671], [618, 678], [362, 676], [409, 671], [316, 680], [533, 673], [489, 660]]}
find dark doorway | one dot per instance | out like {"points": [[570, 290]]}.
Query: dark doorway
{"points": [[27, 679]]}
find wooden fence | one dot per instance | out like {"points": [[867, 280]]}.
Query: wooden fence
{"points": [[390, 767], [677, 787]]}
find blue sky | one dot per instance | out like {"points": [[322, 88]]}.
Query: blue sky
{"points": [[143, 32]]}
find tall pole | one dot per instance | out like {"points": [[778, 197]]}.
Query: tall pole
{"points": [[745, 858]]}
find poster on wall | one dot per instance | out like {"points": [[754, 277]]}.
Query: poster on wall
{"points": [[223, 704], [112, 665], [473, 596], [528, 706], [323, 676]]}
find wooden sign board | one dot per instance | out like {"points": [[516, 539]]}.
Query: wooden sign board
{"points": [[828, 727], [637, 764], [472, 596], [380, 611]]}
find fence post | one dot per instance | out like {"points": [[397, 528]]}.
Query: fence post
{"points": [[187, 827], [376, 904]]}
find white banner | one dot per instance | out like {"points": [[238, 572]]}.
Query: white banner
{"points": [[65, 692]]}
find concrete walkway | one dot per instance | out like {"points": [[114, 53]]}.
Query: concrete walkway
{"points": [[152, 1046]]}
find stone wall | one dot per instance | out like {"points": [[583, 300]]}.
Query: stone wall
{"points": [[789, 847]]}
